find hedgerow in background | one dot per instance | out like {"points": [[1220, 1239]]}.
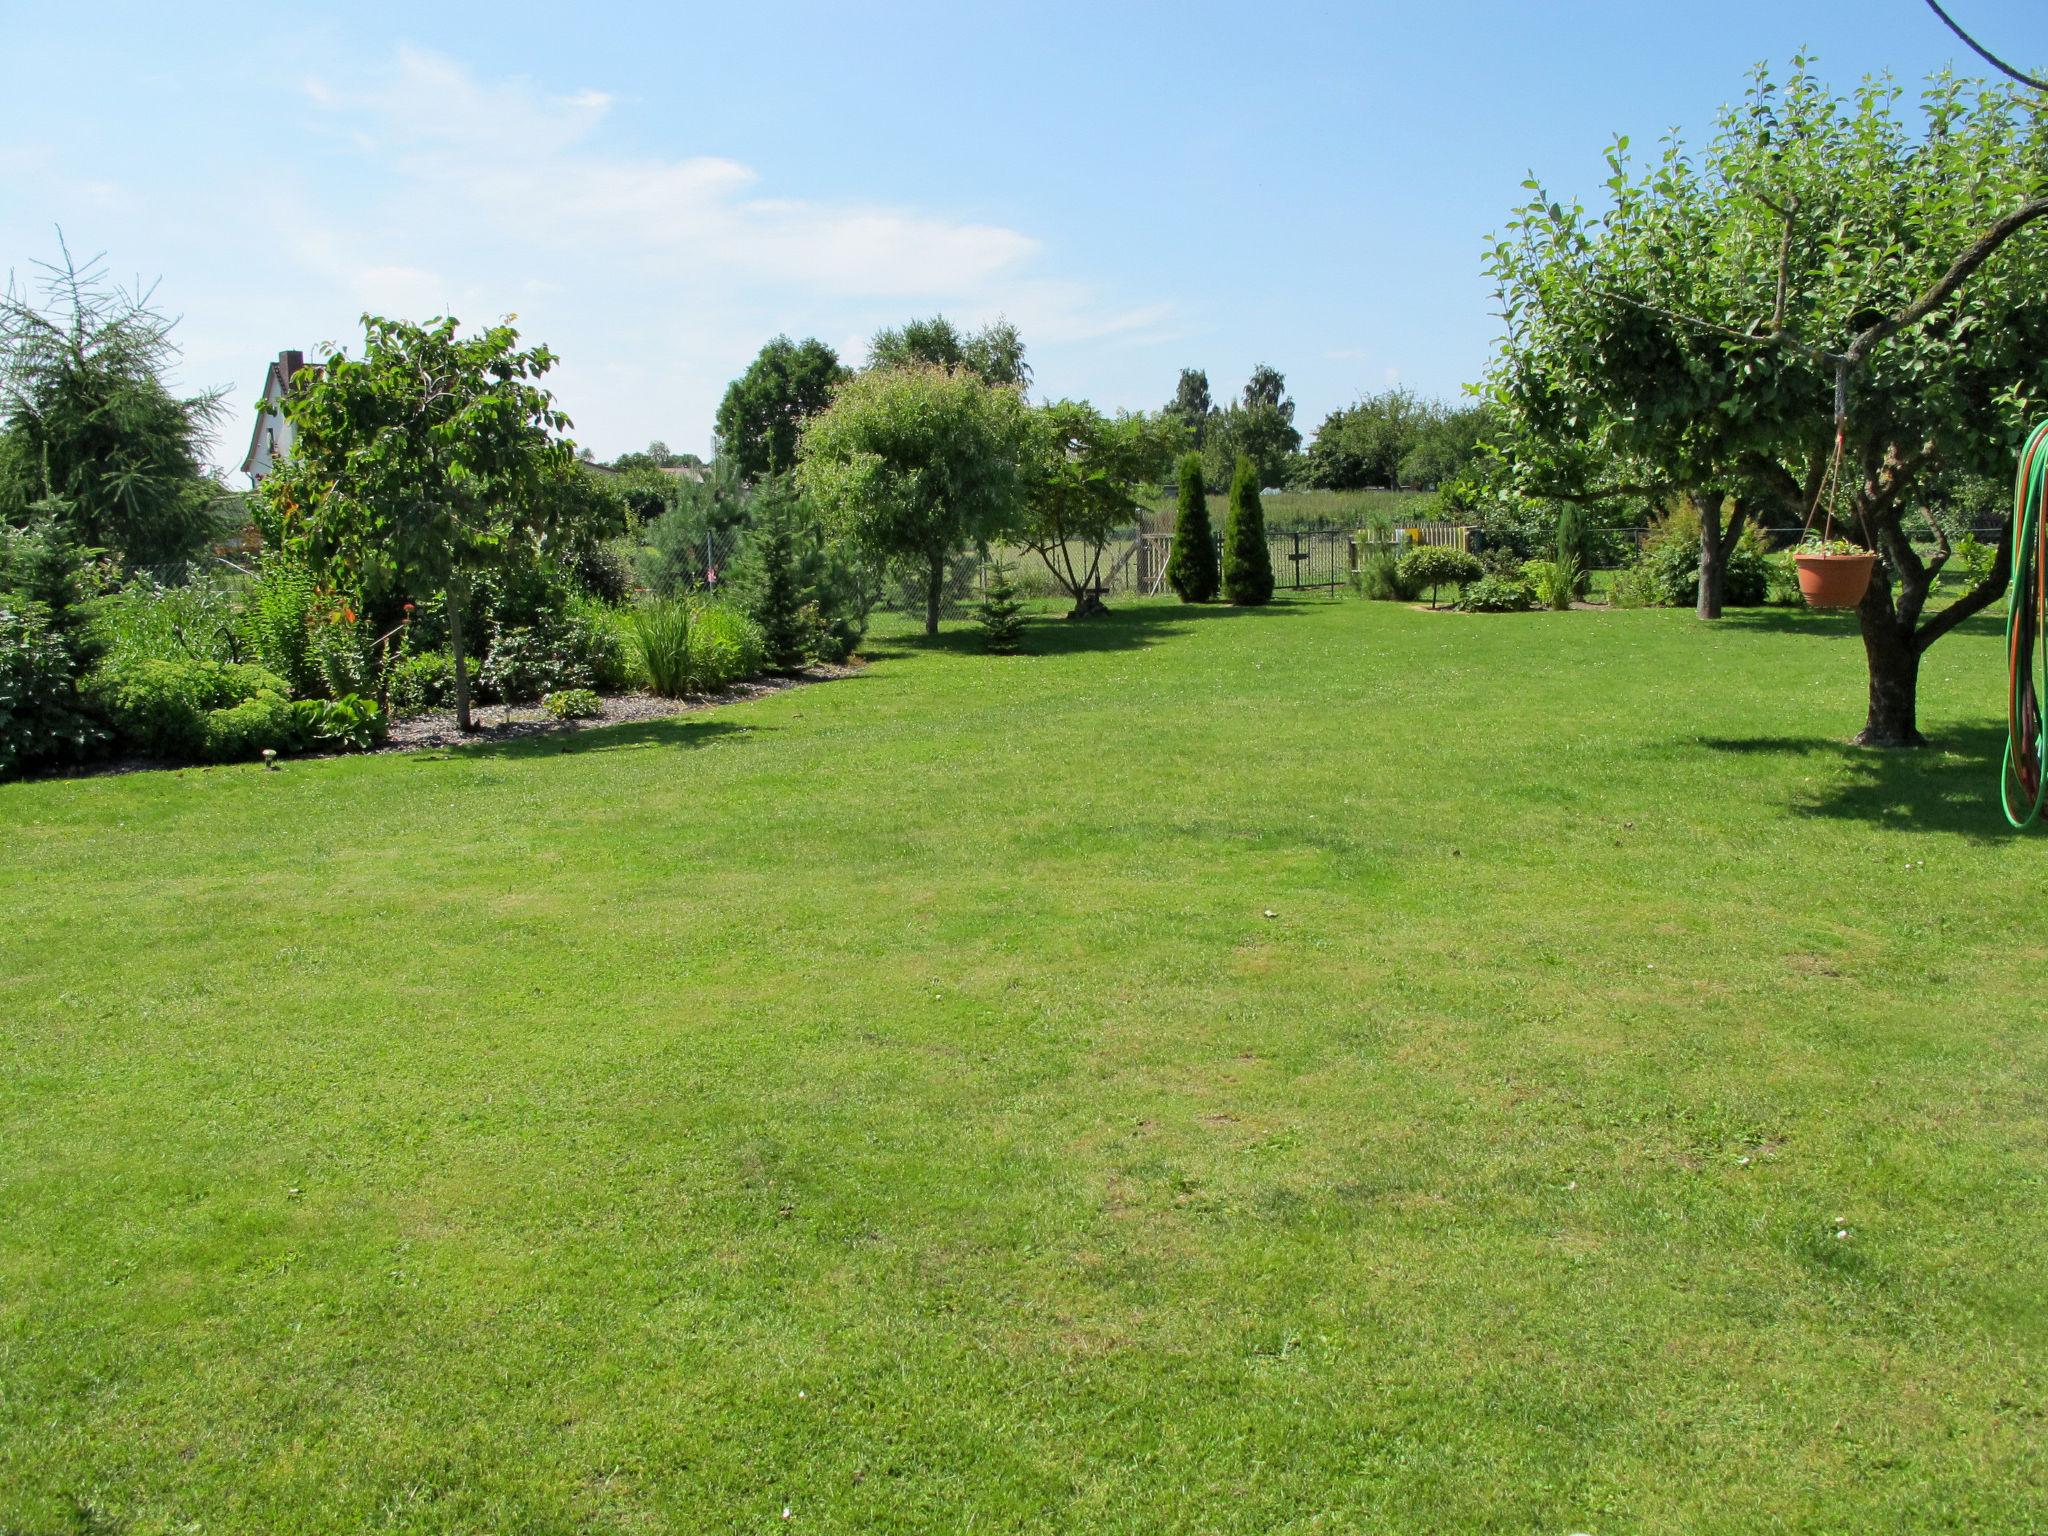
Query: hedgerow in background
{"points": [[1001, 614], [1191, 568], [1436, 566], [416, 467], [1247, 562]]}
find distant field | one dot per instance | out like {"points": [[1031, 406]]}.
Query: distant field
{"points": [[1346, 509]]}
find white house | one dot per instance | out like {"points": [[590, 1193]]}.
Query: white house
{"points": [[272, 439]]}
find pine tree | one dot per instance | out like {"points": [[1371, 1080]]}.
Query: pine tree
{"points": [[1001, 615], [777, 599], [1247, 563], [1191, 569]]}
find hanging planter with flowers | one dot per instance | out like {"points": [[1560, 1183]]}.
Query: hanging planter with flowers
{"points": [[1833, 573]]}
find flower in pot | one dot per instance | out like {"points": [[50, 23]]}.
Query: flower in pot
{"points": [[1833, 573]]}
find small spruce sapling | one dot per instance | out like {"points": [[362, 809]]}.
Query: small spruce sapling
{"points": [[1001, 615]]}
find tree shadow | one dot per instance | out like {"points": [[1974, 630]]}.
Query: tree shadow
{"points": [[1832, 623], [671, 732], [1139, 624], [1950, 786]]}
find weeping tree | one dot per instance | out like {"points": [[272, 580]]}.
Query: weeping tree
{"points": [[91, 434], [429, 460], [1835, 306]]}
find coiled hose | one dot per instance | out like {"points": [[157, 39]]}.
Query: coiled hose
{"points": [[2023, 783]]}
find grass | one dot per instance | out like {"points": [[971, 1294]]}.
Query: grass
{"points": [[1333, 1067]]}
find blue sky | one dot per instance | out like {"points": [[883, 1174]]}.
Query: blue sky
{"points": [[657, 189]]}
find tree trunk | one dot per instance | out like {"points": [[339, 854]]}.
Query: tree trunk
{"points": [[458, 590], [1894, 663], [1715, 542], [934, 590]]}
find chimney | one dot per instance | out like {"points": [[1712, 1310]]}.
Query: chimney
{"points": [[289, 363]]}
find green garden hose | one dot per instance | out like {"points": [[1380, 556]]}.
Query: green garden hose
{"points": [[2022, 783]]}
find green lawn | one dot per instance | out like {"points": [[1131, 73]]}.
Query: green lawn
{"points": [[1332, 1068]]}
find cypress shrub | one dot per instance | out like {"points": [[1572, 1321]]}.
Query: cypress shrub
{"points": [[1247, 563], [1191, 569], [1001, 615], [1574, 551], [778, 599]]}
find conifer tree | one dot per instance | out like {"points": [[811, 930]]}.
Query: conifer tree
{"points": [[1573, 551], [1247, 563], [1191, 569], [777, 600], [1001, 615]]}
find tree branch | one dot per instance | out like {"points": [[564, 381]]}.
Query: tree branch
{"points": [[1971, 259], [1976, 600], [1985, 53]]}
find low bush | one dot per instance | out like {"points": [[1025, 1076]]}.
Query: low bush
{"points": [[1555, 582], [145, 620], [573, 704], [725, 647], [1666, 574], [161, 708], [425, 680], [1497, 594], [580, 649], [242, 731], [351, 723], [1434, 566]]}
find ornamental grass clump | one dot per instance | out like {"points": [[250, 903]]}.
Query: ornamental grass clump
{"points": [[658, 633]]}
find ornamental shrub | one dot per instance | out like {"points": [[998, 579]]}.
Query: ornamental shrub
{"points": [[351, 723], [1434, 566], [1666, 574], [425, 680], [725, 647], [573, 704], [1247, 562], [242, 731], [161, 708], [1496, 594], [47, 644], [1191, 568]]}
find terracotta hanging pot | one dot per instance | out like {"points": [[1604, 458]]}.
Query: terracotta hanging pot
{"points": [[1833, 581]]}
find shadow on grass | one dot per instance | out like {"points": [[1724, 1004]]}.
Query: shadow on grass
{"points": [[1832, 623], [1950, 786], [1127, 628], [673, 732]]}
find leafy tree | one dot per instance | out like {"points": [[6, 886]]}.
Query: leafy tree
{"points": [[1191, 569], [656, 455], [1391, 439], [1191, 403], [765, 408], [1433, 566], [1081, 475], [916, 464], [1829, 271], [1001, 614], [1247, 562], [1264, 428], [426, 463], [89, 432], [994, 354]]}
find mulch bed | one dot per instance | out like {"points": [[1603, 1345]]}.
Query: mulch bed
{"points": [[510, 722]]}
